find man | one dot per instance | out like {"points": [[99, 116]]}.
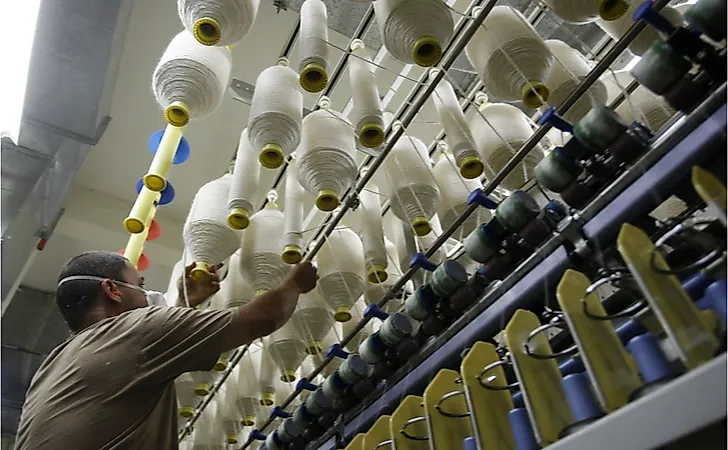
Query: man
{"points": [[111, 384]]}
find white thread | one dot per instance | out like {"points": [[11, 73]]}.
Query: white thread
{"points": [[267, 380], [314, 35], [330, 339], [508, 54], [500, 130], [235, 17], [640, 105], [248, 386], [312, 317], [184, 386], [276, 110], [172, 294], [228, 411], [426, 241], [286, 348], [372, 233], [413, 191], [341, 268], [375, 291], [357, 314], [454, 192], [457, 132], [617, 28], [208, 430], [574, 11], [260, 251], [366, 105], [244, 186], [237, 292], [193, 74], [326, 154], [206, 234], [569, 69], [403, 22], [293, 217]]}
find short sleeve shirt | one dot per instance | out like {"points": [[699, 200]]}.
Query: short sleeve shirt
{"points": [[111, 386]]}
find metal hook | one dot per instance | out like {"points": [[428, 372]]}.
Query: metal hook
{"points": [[384, 443], [411, 422], [627, 312], [492, 366], [452, 394], [527, 346], [689, 224]]}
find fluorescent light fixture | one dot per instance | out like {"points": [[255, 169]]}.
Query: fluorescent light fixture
{"points": [[16, 45]]}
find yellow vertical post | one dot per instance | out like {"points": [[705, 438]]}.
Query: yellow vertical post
{"points": [[135, 245], [156, 177]]}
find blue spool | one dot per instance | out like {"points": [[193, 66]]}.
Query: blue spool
{"points": [[182, 153], [579, 396], [553, 118], [521, 429], [716, 299], [470, 444], [647, 354], [167, 193], [480, 199]]}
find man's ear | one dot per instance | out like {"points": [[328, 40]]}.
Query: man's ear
{"points": [[110, 291]]}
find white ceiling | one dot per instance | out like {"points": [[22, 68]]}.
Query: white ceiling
{"points": [[105, 188]]}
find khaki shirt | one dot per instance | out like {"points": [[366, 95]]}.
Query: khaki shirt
{"points": [[111, 386]]}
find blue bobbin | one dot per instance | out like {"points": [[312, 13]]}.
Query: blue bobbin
{"points": [[421, 261], [373, 310], [337, 351], [256, 435], [167, 194], [470, 444], [480, 199], [522, 430], [180, 155], [551, 117], [279, 412], [305, 385], [715, 299], [581, 400]]}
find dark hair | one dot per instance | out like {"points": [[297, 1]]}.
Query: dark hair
{"points": [[75, 298]]}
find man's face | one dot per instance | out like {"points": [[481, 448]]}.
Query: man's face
{"points": [[132, 298]]}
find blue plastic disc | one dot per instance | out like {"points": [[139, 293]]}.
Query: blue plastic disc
{"points": [[167, 193], [183, 149]]}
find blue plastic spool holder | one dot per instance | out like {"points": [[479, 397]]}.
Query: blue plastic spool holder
{"points": [[167, 193], [551, 117], [421, 261], [256, 435], [481, 199], [373, 310], [556, 207], [337, 351], [647, 354], [181, 154], [647, 13], [522, 430], [470, 444], [279, 412], [580, 398], [305, 385]]}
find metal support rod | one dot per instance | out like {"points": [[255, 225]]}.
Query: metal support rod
{"points": [[334, 78], [187, 429]]}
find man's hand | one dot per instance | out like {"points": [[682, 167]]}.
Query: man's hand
{"points": [[303, 277], [198, 290]]}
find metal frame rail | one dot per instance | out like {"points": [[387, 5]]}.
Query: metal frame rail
{"points": [[692, 140], [421, 93]]}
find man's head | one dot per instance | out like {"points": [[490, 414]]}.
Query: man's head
{"points": [[113, 286]]}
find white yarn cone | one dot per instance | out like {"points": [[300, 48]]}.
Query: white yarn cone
{"points": [[218, 22], [287, 349], [404, 241], [366, 111], [413, 194], [275, 117], [313, 49], [414, 31], [218, 302], [191, 79], [569, 69], [313, 320], [244, 185], [207, 237], [293, 218], [369, 215], [187, 401], [247, 387], [330, 339], [427, 240], [375, 291], [172, 294], [617, 28], [260, 252], [357, 314], [669, 209], [236, 291], [585, 11], [341, 271], [641, 105], [228, 411], [326, 164], [267, 377], [510, 58], [203, 382], [454, 192], [499, 131], [208, 430], [457, 132]]}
